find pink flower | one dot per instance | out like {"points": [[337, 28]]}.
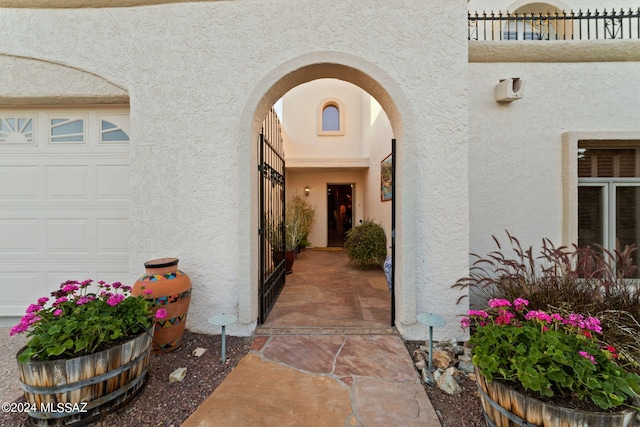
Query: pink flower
{"points": [[42, 300], [34, 308], [465, 322], [147, 291], [593, 324], [556, 316], [57, 313], [588, 357], [538, 315], [60, 301], [161, 313], [504, 317], [520, 303], [82, 300], [19, 328], [478, 313], [70, 288], [115, 300], [496, 302]]}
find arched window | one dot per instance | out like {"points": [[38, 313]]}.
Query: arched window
{"points": [[330, 118]]}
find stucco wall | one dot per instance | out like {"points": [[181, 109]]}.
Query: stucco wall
{"points": [[379, 134], [301, 108], [200, 78], [516, 173]]}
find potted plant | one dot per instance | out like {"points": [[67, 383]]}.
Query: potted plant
{"points": [[539, 367], [285, 238], [87, 352]]}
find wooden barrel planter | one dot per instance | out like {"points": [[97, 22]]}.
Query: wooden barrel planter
{"points": [[505, 407], [171, 290], [80, 390]]}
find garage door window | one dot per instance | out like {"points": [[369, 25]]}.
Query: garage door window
{"points": [[67, 130], [110, 132], [16, 130]]}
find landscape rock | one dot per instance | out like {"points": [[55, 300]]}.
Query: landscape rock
{"points": [[466, 366], [199, 351], [448, 384], [428, 378], [177, 375], [441, 359]]}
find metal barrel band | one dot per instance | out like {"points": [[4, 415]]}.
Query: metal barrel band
{"points": [[94, 403], [511, 416], [89, 381]]}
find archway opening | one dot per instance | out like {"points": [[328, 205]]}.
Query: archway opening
{"points": [[318, 162]]}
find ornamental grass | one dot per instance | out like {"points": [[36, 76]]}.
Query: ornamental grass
{"points": [[592, 281]]}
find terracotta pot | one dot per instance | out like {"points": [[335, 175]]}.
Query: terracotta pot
{"points": [[289, 258], [170, 290], [505, 407], [80, 390]]}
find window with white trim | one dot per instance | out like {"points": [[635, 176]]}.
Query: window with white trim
{"points": [[609, 194]]}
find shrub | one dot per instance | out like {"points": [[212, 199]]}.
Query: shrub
{"points": [[367, 244], [596, 282]]}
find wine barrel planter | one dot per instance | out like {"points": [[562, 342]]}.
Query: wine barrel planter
{"points": [[79, 390], [505, 407], [171, 290]]}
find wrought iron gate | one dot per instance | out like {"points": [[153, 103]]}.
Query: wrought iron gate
{"points": [[272, 214], [394, 197]]}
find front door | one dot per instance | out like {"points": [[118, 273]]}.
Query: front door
{"points": [[339, 213]]}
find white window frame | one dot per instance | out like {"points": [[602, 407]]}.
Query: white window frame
{"points": [[609, 204], [570, 176]]}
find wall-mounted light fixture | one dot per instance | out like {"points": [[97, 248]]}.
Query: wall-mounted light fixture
{"points": [[306, 191]]}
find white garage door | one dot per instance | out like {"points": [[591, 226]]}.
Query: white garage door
{"points": [[64, 200]]}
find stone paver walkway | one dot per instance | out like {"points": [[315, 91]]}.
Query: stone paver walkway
{"points": [[320, 380]]}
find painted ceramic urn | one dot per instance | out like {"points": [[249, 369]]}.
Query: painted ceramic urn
{"points": [[168, 288]]}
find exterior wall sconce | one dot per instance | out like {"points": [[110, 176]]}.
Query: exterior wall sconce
{"points": [[306, 191], [509, 90]]}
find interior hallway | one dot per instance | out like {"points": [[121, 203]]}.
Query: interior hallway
{"points": [[327, 294]]}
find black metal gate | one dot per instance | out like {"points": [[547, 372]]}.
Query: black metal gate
{"points": [[272, 214], [393, 232]]}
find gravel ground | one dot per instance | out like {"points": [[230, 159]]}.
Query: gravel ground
{"points": [[164, 404]]}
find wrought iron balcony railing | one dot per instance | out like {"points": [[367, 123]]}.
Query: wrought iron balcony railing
{"points": [[555, 25]]}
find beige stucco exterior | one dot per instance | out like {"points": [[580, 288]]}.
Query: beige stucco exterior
{"points": [[199, 78]]}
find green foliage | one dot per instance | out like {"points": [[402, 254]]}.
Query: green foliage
{"points": [[299, 216], [367, 244], [79, 322], [596, 282], [548, 354]]}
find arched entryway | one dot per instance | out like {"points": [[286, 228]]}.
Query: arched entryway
{"points": [[297, 71]]}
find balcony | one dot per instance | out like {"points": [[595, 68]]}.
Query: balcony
{"points": [[553, 26]]}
